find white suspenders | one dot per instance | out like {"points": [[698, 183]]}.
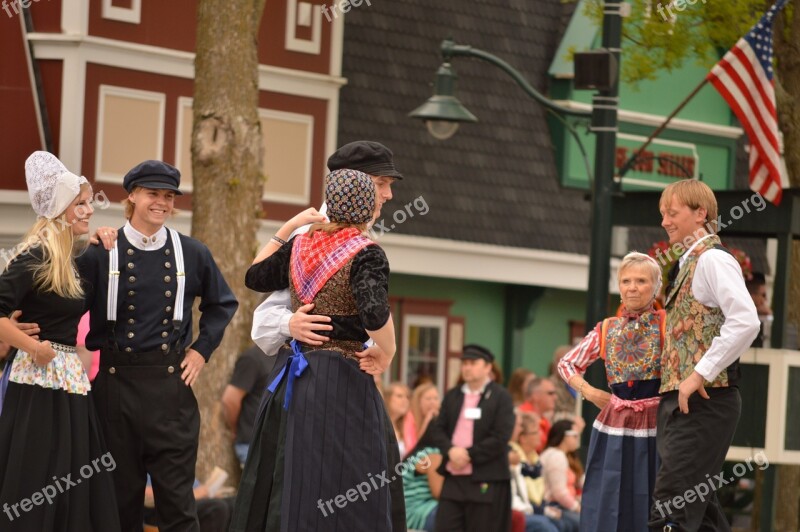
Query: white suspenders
{"points": [[113, 281]]}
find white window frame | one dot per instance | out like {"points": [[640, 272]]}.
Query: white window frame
{"points": [[308, 120], [136, 94], [132, 15], [291, 42], [422, 320]]}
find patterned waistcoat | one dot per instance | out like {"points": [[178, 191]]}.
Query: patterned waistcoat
{"points": [[334, 298], [632, 348], [691, 327]]}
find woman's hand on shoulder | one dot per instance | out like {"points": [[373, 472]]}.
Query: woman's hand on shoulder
{"points": [[105, 235], [308, 216]]}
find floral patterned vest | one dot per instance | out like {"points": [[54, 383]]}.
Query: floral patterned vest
{"points": [[691, 327]]}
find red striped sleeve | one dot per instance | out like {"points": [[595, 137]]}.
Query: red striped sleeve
{"points": [[581, 356]]}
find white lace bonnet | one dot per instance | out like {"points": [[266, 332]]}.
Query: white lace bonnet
{"points": [[50, 185]]}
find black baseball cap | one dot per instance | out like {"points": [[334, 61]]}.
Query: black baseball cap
{"points": [[366, 156]]}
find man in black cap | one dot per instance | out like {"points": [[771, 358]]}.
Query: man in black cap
{"points": [[274, 324], [140, 295], [472, 431]]}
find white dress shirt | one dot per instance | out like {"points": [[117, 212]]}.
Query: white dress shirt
{"points": [[143, 242], [718, 283], [271, 319]]}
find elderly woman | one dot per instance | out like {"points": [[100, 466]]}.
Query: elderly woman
{"points": [[622, 461]]}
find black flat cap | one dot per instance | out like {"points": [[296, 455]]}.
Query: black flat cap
{"points": [[366, 156], [475, 352], [153, 174]]}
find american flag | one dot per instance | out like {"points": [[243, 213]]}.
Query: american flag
{"points": [[744, 78]]}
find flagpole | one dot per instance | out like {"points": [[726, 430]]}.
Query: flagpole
{"points": [[632, 160]]}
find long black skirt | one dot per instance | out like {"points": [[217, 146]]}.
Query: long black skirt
{"points": [[55, 474], [325, 463]]}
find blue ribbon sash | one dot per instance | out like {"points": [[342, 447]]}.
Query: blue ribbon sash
{"points": [[296, 365]]}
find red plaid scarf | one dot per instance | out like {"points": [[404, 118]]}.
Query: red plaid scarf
{"points": [[317, 257]]}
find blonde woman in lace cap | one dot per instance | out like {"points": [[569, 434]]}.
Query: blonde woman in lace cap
{"points": [[55, 473]]}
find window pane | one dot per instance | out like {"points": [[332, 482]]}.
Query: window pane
{"points": [[424, 344]]}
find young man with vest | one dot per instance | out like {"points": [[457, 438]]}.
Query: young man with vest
{"points": [[472, 431], [711, 321], [141, 294]]}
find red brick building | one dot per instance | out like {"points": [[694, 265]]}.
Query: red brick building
{"points": [[115, 84]]}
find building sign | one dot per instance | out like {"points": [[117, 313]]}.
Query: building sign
{"points": [[661, 163], [679, 156]]}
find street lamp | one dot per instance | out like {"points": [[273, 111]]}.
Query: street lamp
{"points": [[443, 112]]}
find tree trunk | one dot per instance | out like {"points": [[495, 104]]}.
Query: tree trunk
{"points": [[787, 53], [227, 159]]}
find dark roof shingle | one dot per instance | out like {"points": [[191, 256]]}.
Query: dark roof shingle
{"points": [[495, 181]]}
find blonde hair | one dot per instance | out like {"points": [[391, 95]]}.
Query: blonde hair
{"points": [[128, 205], [332, 227], [57, 272], [416, 406], [387, 396], [694, 194]]}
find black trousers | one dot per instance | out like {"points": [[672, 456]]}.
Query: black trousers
{"points": [[151, 424], [214, 514], [469, 506], [692, 449]]}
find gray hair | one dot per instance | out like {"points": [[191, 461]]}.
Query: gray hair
{"points": [[634, 258]]}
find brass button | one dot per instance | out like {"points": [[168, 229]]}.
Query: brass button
{"points": [[171, 369], [167, 278], [130, 335], [166, 252], [130, 252], [131, 265], [132, 279], [131, 307], [164, 347], [130, 321], [167, 265], [168, 293], [112, 370], [144, 240], [131, 293], [164, 322], [168, 309], [164, 334], [128, 349]]}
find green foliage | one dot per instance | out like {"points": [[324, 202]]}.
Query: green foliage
{"points": [[658, 36]]}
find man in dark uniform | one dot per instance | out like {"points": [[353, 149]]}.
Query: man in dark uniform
{"points": [[472, 431], [140, 295]]}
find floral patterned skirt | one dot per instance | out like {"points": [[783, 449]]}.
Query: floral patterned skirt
{"points": [[64, 372]]}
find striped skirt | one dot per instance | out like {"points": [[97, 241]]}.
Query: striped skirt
{"points": [[621, 467], [324, 463]]}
